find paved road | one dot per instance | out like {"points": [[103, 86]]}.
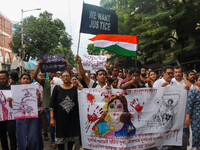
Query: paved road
{"points": [[47, 145]]}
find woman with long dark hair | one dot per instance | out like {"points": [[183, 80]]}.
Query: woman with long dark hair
{"points": [[28, 131], [64, 113], [116, 119]]}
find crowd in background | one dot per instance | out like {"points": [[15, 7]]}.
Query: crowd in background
{"points": [[58, 107]]}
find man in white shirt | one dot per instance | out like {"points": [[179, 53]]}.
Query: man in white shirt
{"points": [[100, 76], [191, 78], [167, 78], [178, 76], [165, 81]]}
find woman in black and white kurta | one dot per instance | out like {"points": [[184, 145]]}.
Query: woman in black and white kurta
{"points": [[64, 113]]}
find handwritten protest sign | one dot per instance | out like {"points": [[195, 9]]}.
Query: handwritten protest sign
{"points": [[91, 62], [6, 112], [52, 63], [132, 119], [24, 101]]}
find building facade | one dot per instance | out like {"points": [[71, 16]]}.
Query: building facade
{"points": [[6, 55]]}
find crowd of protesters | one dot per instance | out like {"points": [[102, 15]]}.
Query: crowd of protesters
{"points": [[58, 107]]}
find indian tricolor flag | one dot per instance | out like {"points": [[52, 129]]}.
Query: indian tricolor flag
{"points": [[125, 45]]}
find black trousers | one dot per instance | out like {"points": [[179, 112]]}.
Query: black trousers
{"points": [[11, 128], [3, 135]]}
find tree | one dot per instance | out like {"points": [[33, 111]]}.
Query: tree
{"points": [[42, 35], [168, 30], [91, 51]]}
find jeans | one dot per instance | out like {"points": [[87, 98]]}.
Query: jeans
{"points": [[51, 128]]}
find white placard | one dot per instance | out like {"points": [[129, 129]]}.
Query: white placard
{"points": [[24, 101], [91, 62]]}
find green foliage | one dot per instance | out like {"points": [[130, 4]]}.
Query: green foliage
{"points": [[42, 35], [91, 51], [168, 30]]}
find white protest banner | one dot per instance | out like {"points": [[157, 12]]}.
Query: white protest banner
{"points": [[132, 119], [24, 101], [6, 112], [91, 62]]}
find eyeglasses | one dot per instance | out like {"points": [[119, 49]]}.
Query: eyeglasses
{"points": [[74, 79], [169, 73], [66, 76], [101, 73]]}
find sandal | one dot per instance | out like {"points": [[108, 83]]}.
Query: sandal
{"points": [[53, 145]]}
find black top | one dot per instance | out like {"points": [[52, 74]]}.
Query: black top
{"points": [[2, 87], [66, 112]]}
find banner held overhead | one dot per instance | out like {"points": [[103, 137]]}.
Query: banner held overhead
{"points": [[98, 20]]}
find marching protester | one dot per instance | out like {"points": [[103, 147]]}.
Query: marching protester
{"points": [[100, 76], [41, 113], [143, 78], [192, 116], [75, 82], [7, 126], [167, 78], [115, 73], [178, 76], [152, 77], [114, 82], [28, 131], [134, 81], [93, 76], [46, 84], [64, 113], [165, 81], [191, 78]]}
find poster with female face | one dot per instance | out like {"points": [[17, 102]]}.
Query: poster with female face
{"points": [[131, 119]]}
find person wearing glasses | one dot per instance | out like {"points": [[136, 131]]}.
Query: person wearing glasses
{"points": [[64, 113], [168, 72], [100, 76]]}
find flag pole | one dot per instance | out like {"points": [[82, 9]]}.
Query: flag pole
{"points": [[136, 61], [79, 37], [136, 54]]}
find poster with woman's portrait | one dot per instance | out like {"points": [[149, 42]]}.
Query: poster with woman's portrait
{"points": [[131, 119]]}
